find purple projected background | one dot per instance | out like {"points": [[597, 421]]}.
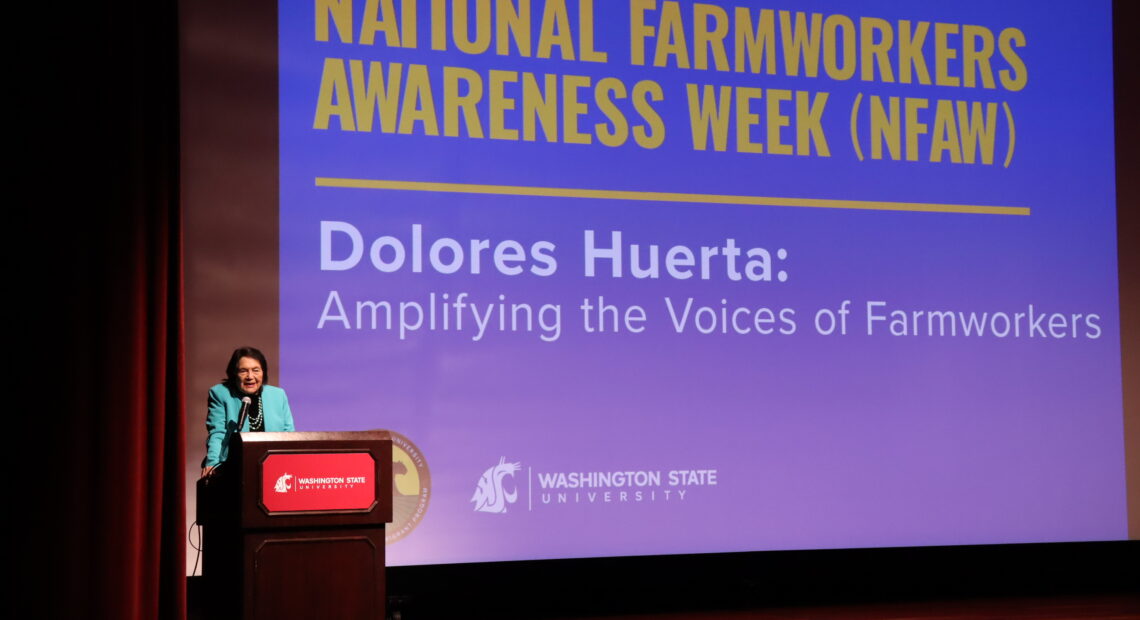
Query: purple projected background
{"points": [[862, 438]]}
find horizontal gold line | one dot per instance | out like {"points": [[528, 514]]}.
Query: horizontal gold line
{"points": [[617, 194]]}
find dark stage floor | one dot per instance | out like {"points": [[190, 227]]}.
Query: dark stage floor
{"points": [[1105, 607], [1095, 607]]}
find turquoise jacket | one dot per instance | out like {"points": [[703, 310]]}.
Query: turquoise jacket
{"points": [[223, 408]]}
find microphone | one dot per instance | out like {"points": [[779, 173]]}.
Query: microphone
{"points": [[245, 402]]}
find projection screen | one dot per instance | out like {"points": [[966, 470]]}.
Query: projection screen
{"points": [[648, 277]]}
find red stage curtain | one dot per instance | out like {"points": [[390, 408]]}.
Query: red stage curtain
{"points": [[108, 422]]}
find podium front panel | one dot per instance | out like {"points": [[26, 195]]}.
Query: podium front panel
{"points": [[301, 480]]}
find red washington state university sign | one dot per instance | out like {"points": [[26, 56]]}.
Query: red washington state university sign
{"points": [[305, 482]]}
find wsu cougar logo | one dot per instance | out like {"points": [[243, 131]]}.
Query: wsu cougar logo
{"points": [[282, 485], [489, 495]]}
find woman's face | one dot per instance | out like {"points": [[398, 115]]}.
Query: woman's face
{"points": [[249, 373]]}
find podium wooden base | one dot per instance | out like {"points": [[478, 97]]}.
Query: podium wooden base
{"points": [[268, 564]]}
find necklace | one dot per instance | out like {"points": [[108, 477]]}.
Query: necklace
{"points": [[256, 420]]}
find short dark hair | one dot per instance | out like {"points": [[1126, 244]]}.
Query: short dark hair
{"points": [[232, 367]]}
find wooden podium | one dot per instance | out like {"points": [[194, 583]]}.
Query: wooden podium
{"points": [[293, 526]]}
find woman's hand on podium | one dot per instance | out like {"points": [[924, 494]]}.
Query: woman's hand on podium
{"points": [[206, 471]]}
